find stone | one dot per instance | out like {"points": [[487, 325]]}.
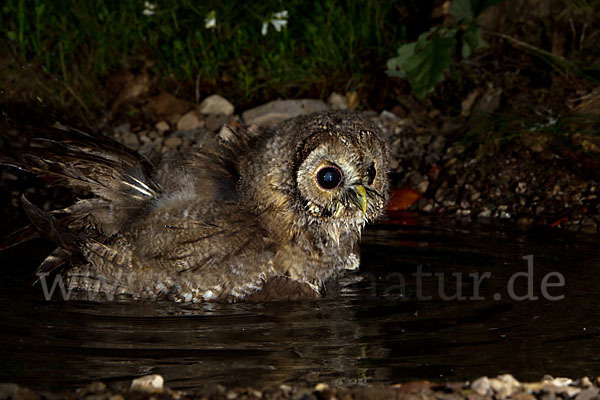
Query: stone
{"points": [[388, 116], [127, 137], [481, 386], [276, 111], [216, 104], [215, 121], [337, 101], [189, 121], [173, 142], [8, 390], [585, 382], [148, 384], [422, 186], [588, 394], [162, 126], [167, 106], [486, 213], [504, 386]]}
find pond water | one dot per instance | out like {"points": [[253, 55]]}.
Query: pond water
{"points": [[391, 322]]}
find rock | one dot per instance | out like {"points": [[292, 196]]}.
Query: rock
{"points": [[189, 122], [585, 382], [422, 186], [216, 104], [173, 142], [167, 106], [276, 111], [215, 121], [388, 116], [482, 386], [127, 137], [337, 101], [148, 384], [15, 392], [504, 386], [588, 394], [486, 213], [558, 382], [8, 390], [162, 126]]}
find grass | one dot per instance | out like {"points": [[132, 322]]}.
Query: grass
{"points": [[326, 44]]}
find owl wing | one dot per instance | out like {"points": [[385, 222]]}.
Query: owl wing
{"points": [[72, 157], [121, 179]]}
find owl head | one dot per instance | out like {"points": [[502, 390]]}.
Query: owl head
{"points": [[325, 172], [341, 168]]}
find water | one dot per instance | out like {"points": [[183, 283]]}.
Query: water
{"points": [[374, 330]]}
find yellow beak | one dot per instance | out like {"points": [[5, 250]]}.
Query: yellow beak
{"points": [[362, 198]]}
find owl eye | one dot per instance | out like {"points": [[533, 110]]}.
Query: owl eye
{"points": [[329, 177], [371, 172]]}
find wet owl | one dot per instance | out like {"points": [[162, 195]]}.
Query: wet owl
{"points": [[250, 216]]}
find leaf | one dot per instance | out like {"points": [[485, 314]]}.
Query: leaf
{"points": [[462, 9], [396, 65], [426, 68], [11, 35], [472, 40]]}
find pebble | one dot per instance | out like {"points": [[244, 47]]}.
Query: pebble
{"points": [[588, 394], [162, 126], [148, 384], [173, 142], [190, 121], [215, 121], [276, 111], [504, 386], [337, 101], [422, 186], [482, 386], [216, 104], [130, 140]]}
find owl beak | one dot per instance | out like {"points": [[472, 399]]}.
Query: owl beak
{"points": [[361, 198]]}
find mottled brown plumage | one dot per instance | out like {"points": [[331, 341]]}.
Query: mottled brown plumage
{"points": [[267, 216]]}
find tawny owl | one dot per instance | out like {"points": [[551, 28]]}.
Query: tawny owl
{"points": [[269, 215]]}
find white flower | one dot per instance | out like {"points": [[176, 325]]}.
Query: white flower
{"points": [[278, 20], [210, 21], [148, 8]]}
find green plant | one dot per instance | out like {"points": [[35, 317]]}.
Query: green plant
{"points": [[424, 61], [79, 44]]}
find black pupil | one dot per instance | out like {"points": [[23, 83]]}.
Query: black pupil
{"points": [[329, 177], [371, 173]]}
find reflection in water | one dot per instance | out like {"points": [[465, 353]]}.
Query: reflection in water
{"points": [[375, 329]]}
